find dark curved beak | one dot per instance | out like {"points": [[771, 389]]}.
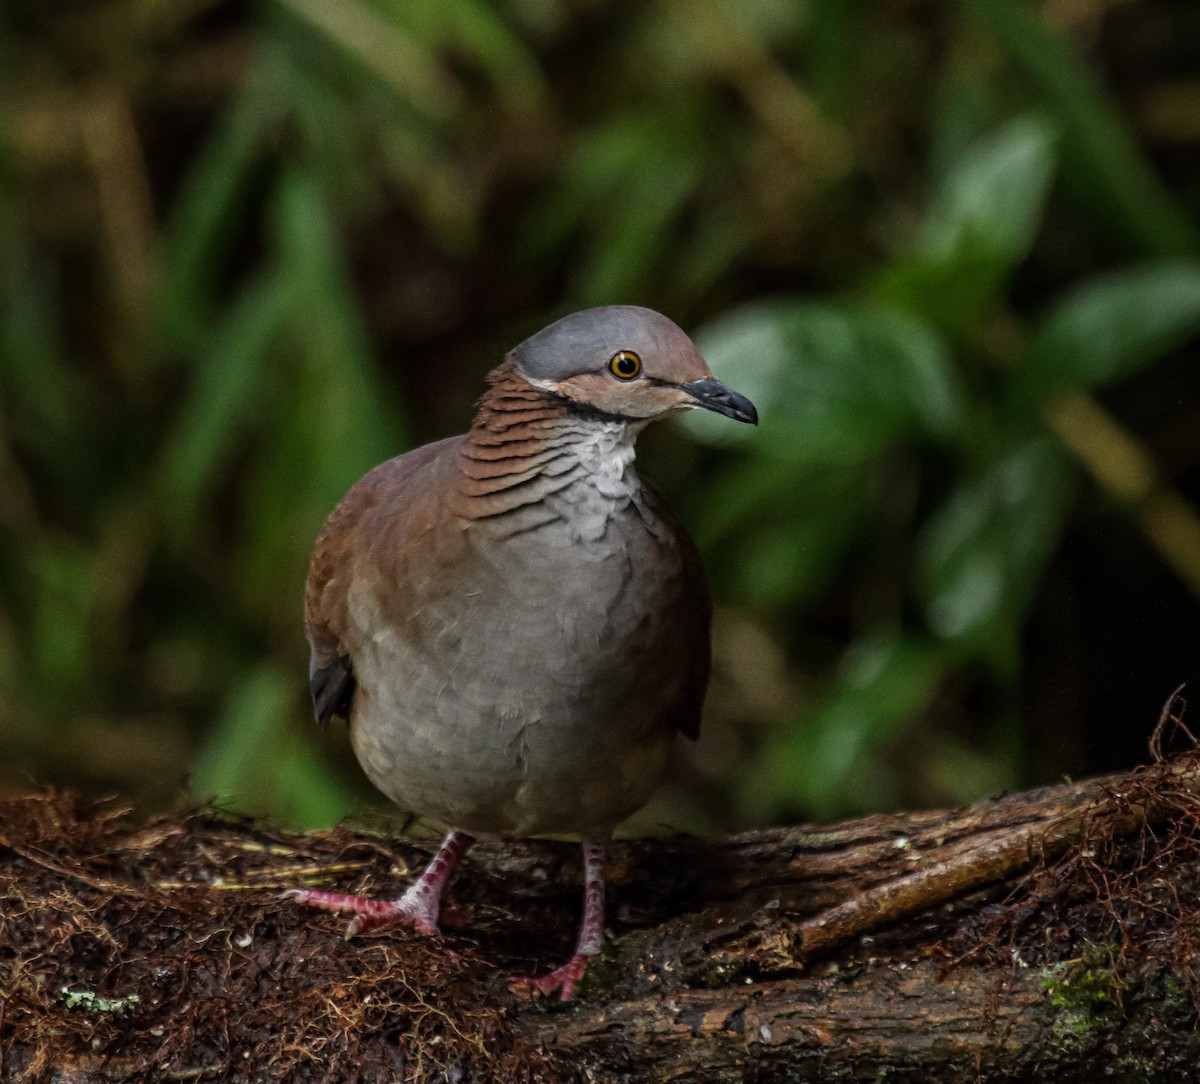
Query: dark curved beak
{"points": [[713, 395]]}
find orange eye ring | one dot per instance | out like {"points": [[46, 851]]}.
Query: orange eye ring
{"points": [[625, 365]]}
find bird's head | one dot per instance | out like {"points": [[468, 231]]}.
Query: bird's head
{"points": [[625, 362]]}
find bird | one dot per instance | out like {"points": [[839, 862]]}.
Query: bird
{"points": [[513, 623]]}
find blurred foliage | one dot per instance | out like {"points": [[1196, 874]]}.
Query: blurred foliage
{"points": [[251, 249]]}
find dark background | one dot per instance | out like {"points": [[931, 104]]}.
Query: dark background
{"points": [[247, 250]]}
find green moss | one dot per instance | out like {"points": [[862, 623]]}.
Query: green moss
{"points": [[1084, 991], [1177, 996], [1079, 990]]}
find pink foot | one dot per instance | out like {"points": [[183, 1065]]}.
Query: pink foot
{"points": [[591, 929], [562, 979], [417, 908], [370, 914]]}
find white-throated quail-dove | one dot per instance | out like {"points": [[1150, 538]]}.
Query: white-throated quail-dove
{"points": [[514, 624]]}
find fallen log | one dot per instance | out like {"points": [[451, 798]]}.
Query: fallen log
{"points": [[1050, 934]]}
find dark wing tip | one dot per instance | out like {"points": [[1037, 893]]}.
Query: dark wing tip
{"points": [[332, 689]]}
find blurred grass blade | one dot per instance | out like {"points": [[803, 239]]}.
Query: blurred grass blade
{"points": [[206, 220], [633, 235], [349, 422], [333, 419], [516, 78], [1102, 163], [1111, 327], [258, 755], [383, 45], [235, 759], [227, 393]]}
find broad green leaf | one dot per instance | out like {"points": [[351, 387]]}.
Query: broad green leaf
{"points": [[1111, 327], [788, 563], [776, 536], [833, 384], [883, 682], [309, 793], [982, 553], [1101, 161], [981, 223], [991, 202]]}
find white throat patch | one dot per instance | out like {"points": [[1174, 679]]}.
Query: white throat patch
{"points": [[599, 456]]}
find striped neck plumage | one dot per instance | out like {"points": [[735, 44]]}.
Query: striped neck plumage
{"points": [[533, 457]]}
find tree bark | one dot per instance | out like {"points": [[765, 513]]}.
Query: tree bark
{"points": [[1052, 934]]}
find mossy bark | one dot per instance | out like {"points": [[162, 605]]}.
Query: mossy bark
{"points": [[1048, 934]]}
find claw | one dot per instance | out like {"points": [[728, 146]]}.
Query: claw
{"points": [[369, 914], [561, 979], [417, 908]]}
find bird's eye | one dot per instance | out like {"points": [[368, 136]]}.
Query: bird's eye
{"points": [[625, 365]]}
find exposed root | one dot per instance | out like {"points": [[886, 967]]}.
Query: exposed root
{"points": [[1116, 893]]}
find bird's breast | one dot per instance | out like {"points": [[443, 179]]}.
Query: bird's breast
{"points": [[521, 683]]}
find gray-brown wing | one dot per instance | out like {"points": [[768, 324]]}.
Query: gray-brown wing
{"points": [[695, 621], [331, 670]]}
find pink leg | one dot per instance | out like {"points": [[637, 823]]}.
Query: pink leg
{"points": [[419, 905], [591, 928]]}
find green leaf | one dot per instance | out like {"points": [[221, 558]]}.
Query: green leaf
{"points": [[1113, 326], [833, 383], [257, 755], [223, 401], [477, 29], [982, 553], [309, 794], [833, 50], [785, 563], [68, 589], [206, 219], [981, 223], [236, 758], [770, 548], [35, 379], [633, 227], [334, 420], [339, 374], [624, 188], [991, 202], [387, 48], [883, 682], [1102, 163]]}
